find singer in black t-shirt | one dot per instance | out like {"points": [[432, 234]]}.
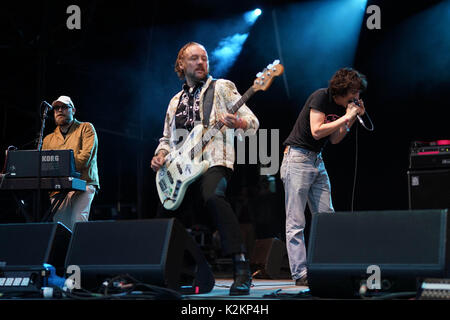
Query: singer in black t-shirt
{"points": [[327, 115]]}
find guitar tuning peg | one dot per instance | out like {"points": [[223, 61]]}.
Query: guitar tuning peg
{"points": [[269, 66], [275, 62], [259, 74]]}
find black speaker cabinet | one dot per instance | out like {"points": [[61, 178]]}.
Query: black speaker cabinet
{"points": [[429, 189], [405, 246], [158, 252], [28, 246], [270, 258]]}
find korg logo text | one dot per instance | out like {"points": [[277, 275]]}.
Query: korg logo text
{"points": [[50, 158]]}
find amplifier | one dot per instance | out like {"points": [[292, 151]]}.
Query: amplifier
{"points": [[429, 189], [54, 163], [427, 156]]}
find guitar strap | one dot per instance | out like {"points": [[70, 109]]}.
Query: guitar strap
{"points": [[208, 100]]}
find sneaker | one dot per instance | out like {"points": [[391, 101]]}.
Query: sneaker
{"points": [[303, 281]]}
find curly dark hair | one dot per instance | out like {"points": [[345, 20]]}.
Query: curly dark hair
{"points": [[346, 79]]}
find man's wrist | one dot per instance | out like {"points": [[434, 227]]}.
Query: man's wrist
{"points": [[242, 124], [347, 124]]}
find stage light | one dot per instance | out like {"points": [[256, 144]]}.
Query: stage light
{"points": [[251, 16], [230, 46]]}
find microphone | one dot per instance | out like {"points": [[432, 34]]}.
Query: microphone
{"points": [[355, 101], [48, 105]]}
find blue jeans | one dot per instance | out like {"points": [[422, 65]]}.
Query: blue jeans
{"points": [[305, 180]]}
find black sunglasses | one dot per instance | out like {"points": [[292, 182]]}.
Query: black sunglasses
{"points": [[63, 107]]}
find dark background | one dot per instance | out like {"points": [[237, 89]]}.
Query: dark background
{"points": [[118, 70]]}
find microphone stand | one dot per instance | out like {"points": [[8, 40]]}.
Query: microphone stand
{"points": [[41, 133], [39, 149]]}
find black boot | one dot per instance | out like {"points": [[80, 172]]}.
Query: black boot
{"points": [[242, 278]]}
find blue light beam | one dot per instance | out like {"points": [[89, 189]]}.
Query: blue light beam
{"points": [[229, 47], [251, 16], [227, 52]]}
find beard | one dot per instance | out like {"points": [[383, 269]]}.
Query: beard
{"points": [[62, 120], [197, 76]]}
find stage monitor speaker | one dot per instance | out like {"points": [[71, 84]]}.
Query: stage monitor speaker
{"points": [[27, 246], [391, 250], [429, 189], [270, 259], [157, 252]]}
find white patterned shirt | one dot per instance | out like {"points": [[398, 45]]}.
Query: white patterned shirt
{"points": [[220, 151]]}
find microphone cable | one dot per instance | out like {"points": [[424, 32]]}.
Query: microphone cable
{"points": [[372, 127], [356, 156], [356, 170]]}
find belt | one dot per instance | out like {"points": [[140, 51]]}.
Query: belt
{"points": [[286, 150]]}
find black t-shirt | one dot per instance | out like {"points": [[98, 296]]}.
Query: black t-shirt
{"points": [[301, 135]]}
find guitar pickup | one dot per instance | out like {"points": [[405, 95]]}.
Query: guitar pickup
{"points": [[162, 185], [177, 188], [169, 176], [179, 168]]}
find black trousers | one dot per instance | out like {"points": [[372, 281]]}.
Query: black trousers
{"points": [[207, 196]]}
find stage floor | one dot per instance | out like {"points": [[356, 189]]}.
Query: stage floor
{"points": [[261, 289]]}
